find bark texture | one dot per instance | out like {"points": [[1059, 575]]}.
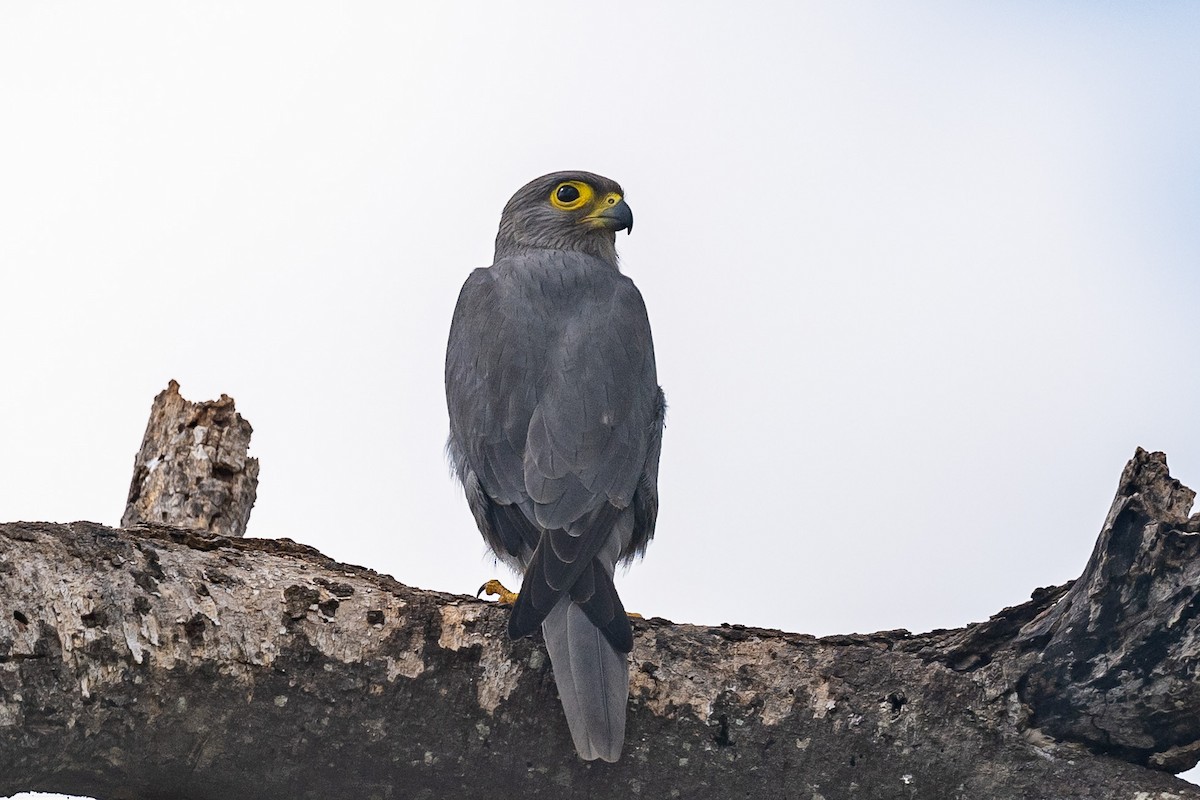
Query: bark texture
{"points": [[1115, 661], [192, 470], [161, 663]]}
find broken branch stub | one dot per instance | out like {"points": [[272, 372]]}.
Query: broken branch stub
{"points": [[1118, 656], [192, 470]]}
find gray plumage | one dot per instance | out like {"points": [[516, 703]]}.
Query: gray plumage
{"points": [[555, 426]]}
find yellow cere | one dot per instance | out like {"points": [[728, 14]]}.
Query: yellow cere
{"points": [[598, 219]]}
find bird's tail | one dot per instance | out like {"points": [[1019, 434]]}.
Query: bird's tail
{"points": [[592, 678]]}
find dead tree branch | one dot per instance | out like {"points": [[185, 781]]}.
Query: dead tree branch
{"points": [[160, 663]]}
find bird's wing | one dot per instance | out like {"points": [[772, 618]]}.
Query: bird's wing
{"points": [[586, 451], [590, 431], [491, 390], [645, 499]]}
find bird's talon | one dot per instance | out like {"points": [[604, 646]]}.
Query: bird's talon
{"points": [[634, 615], [504, 596]]}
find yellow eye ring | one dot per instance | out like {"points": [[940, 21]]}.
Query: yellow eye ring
{"points": [[571, 195]]}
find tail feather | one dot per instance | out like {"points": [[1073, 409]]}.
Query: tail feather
{"points": [[598, 598], [593, 590], [592, 679], [535, 600]]}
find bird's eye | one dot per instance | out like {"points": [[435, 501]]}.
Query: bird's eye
{"points": [[571, 195]]}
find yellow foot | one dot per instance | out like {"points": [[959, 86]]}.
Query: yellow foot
{"points": [[506, 598]]}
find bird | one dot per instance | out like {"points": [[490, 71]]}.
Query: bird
{"points": [[556, 421]]}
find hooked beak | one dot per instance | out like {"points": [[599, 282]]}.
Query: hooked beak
{"points": [[614, 215]]}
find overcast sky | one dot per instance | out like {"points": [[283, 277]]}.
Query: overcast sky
{"points": [[921, 276]]}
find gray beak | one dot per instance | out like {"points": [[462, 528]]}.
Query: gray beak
{"points": [[616, 217]]}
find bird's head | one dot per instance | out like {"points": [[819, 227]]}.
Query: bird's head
{"points": [[565, 211]]}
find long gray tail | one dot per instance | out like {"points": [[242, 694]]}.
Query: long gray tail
{"points": [[592, 678]]}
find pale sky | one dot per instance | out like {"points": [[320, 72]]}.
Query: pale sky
{"points": [[921, 276]]}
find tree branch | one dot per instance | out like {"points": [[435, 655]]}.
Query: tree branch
{"points": [[160, 663]]}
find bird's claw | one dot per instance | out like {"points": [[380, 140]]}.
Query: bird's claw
{"points": [[504, 596]]}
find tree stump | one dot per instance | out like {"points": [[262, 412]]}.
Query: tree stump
{"points": [[192, 470]]}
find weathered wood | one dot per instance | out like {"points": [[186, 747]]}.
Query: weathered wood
{"points": [[1116, 659], [161, 663], [192, 470]]}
